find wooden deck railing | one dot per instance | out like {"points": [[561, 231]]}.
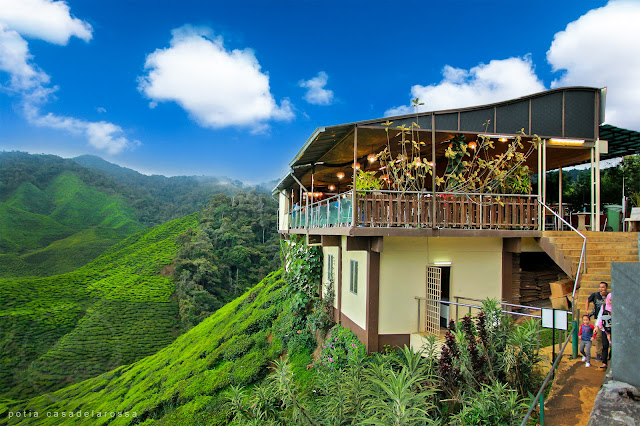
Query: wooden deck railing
{"points": [[415, 210]]}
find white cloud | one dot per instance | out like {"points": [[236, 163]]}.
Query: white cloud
{"points": [[102, 135], [30, 84], [44, 19], [316, 93], [15, 60], [485, 83], [216, 86], [602, 48]]}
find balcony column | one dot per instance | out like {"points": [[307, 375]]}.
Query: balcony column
{"points": [[354, 205], [592, 191], [544, 182], [597, 184], [560, 209], [433, 174], [540, 208]]}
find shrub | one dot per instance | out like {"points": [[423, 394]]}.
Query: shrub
{"points": [[341, 347], [493, 404]]}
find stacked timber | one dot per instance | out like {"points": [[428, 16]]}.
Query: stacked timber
{"points": [[533, 283], [560, 293]]}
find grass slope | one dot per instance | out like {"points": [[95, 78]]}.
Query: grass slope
{"points": [[183, 383], [58, 229], [65, 328]]}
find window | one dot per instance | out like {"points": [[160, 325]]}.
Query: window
{"points": [[353, 281], [330, 270]]}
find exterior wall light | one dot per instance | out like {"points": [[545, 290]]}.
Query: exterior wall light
{"points": [[473, 145], [447, 263], [372, 157], [332, 188], [566, 142], [501, 138], [340, 175]]}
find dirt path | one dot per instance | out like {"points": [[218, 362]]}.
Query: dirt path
{"points": [[573, 392]]}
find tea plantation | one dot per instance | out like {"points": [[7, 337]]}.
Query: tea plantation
{"points": [[182, 383], [58, 330], [60, 227]]}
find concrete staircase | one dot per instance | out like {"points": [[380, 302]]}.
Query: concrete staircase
{"points": [[564, 247]]}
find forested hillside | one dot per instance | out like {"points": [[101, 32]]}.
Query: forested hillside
{"points": [[160, 198], [65, 328], [57, 215], [235, 245]]}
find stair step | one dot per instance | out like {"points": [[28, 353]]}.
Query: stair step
{"points": [[602, 258], [611, 252]]}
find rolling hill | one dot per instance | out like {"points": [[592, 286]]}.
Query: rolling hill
{"points": [[61, 227], [182, 383], [116, 309]]}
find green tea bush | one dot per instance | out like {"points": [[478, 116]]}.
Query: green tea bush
{"points": [[238, 346]]}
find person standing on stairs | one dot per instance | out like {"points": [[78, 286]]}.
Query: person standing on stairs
{"points": [[604, 326], [598, 300]]}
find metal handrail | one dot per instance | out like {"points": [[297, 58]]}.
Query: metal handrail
{"points": [[583, 254], [446, 302], [424, 193], [546, 380], [502, 303], [573, 308]]}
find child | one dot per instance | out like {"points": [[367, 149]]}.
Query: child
{"points": [[586, 335]]}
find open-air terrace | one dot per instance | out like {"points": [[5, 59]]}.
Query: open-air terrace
{"points": [[478, 168]]}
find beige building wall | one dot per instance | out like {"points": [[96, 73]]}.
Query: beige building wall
{"points": [[326, 251], [283, 210], [476, 272], [354, 306]]}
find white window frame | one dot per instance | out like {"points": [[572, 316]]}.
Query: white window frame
{"points": [[353, 276], [330, 268]]}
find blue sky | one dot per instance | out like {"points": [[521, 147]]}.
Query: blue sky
{"points": [[235, 87]]}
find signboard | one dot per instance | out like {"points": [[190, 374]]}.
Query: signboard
{"points": [[561, 318]]}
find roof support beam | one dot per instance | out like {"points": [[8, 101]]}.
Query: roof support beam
{"points": [[354, 205], [433, 171]]}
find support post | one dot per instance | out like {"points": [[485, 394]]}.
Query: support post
{"points": [[354, 204], [433, 175], [542, 409], [553, 336], [597, 184], [560, 209], [544, 181], [592, 189], [540, 208], [574, 333]]}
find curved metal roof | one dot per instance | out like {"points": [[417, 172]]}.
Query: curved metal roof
{"points": [[569, 112]]}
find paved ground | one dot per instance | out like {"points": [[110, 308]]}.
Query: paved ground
{"points": [[573, 392]]}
